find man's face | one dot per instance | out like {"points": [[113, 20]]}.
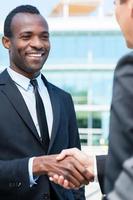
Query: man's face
{"points": [[124, 16], [29, 45]]}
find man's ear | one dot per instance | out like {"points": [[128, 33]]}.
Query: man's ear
{"points": [[6, 42], [131, 7]]}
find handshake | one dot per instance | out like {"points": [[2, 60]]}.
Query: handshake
{"points": [[70, 169]]}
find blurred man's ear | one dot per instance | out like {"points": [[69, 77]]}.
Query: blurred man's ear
{"points": [[6, 42], [131, 7]]}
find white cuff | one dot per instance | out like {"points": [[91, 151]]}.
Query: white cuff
{"points": [[31, 178], [95, 170]]}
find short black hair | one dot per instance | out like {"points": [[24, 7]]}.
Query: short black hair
{"points": [[20, 9]]}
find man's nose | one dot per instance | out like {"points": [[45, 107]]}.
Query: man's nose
{"points": [[36, 43]]}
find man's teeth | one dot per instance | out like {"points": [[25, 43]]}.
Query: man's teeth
{"points": [[34, 55]]}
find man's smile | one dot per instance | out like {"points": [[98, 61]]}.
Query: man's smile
{"points": [[35, 54]]}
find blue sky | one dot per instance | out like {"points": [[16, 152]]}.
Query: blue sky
{"points": [[44, 6], [109, 5]]}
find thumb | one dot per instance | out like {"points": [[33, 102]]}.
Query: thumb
{"points": [[68, 152], [61, 156]]}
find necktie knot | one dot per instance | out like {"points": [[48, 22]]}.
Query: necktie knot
{"points": [[34, 83]]}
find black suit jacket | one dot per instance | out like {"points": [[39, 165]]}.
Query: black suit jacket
{"points": [[121, 121], [19, 141]]}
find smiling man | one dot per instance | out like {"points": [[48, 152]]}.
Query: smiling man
{"points": [[27, 39], [37, 119]]}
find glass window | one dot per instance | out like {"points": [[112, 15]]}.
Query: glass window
{"points": [[87, 47]]}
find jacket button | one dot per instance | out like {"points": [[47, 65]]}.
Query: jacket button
{"points": [[12, 184], [19, 184]]}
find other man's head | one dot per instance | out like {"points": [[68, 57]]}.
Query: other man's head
{"points": [[124, 16]]}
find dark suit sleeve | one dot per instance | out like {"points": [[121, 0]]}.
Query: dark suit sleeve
{"points": [[124, 181], [74, 141], [101, 160], [14, 175]]}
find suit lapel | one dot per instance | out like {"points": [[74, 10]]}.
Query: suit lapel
{"points": [[8, 87], [13, 94], [55, 102]]}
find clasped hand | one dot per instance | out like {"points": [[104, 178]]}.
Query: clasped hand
{"points": [[75, 169]]}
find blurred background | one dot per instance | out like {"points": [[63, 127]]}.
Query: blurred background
{"points": [[86, 44]]}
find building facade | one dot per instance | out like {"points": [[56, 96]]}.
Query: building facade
{"points": [[82, 62]]}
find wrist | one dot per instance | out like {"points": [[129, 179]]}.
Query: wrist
{"points": [[39, 166], [90, 164]]}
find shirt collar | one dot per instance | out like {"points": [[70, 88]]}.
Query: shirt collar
{"points": [[21, 80]]}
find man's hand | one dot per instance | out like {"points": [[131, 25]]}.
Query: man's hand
{"points": [[83, 159], [69, 168]]}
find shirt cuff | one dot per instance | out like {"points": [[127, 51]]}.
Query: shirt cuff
{"points": [[31, 177], [95, 169]]}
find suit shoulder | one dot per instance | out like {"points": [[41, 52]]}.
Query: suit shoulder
{"points": [[1, 73], [126, 59], [124, 65], [60, 90], [4, 76]]}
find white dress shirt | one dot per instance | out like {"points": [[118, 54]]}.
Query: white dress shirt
{"points": [[27, 91]]}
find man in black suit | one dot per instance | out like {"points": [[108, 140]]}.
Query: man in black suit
{"points": [[25, 163], [121, 119]]}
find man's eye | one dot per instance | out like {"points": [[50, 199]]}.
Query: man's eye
{"points": [[45, 37], [25, 37]]}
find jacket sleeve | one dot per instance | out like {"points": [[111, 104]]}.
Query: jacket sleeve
{"points": [[14, 175], [123, 183]]}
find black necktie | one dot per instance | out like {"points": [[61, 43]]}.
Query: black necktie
{"points": [[41, 116]]}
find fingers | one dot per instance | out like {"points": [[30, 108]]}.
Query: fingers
{"points": [[77, 154], [88, 175], [80, 174], [71, 170], [62, 181], [68, 169], [86, 160], [67, 152], [76, 173], [73, 176], [67, 184]]}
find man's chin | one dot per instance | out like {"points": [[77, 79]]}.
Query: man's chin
{"points": [[129, 44], [34, 68]]}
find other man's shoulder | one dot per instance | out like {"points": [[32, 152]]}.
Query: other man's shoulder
{"points": [[126, 59]]}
